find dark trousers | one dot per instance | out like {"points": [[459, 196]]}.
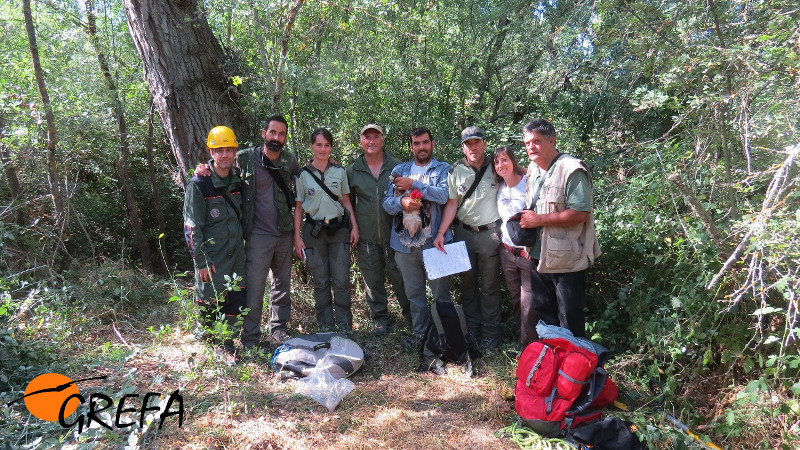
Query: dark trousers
{"points": [[517, 272], [558, 298]]}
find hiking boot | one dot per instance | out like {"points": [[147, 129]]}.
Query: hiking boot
{"points": [[487, 345], [379, 329], [279, 336]]}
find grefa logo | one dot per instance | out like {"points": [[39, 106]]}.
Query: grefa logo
{"points": [[55, 397]]}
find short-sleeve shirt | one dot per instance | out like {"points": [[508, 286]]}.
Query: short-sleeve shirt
{"points": [[510, 200], [315, 201], [480, 208], [578, 190]]}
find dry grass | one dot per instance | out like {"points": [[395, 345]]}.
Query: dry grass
{"points": [[392, 406], [246, 406]]}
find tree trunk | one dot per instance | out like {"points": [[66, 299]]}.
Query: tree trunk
{"points": [[488, 67], [12, 179], [287, 30], [56, 190], [183, 64], [151, 175], [132, 210]]}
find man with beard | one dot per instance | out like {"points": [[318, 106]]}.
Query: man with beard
{"points": [[368, 177], [428, 177], [267, 174]]}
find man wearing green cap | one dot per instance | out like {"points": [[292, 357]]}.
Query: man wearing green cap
{"points": [[368, 177]]}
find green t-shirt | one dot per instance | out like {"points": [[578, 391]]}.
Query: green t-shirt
{"points": [[315, 201], [481, 207]]}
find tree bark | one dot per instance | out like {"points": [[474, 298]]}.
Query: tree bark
{"points": [[184, 67], [60, 221]]}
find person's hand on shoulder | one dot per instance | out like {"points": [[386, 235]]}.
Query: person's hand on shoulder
{"points": [[202, 170]]}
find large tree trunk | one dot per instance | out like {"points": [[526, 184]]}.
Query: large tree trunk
{"points": [[53, 180], [132, 210], [183, 63]]}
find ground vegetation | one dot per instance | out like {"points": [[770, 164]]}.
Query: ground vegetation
{"points": [[686, 112]]}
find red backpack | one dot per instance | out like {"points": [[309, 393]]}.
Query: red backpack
{"points": [[561, 382]]}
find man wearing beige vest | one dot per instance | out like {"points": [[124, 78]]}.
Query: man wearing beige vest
{"points": [[567, 243]]}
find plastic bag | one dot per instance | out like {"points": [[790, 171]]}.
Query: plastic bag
{"points": [[324, 388]]}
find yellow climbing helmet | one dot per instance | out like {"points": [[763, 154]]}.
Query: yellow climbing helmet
{"points": [[221, 136]]}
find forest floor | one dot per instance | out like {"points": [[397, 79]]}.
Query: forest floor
{"points": [[391, 406], [143, 343], [147, 345]]}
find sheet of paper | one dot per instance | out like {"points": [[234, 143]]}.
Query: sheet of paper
{"points": [[439, 264]]}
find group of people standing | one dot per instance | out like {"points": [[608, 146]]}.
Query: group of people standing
{"points": [[241, 220]]}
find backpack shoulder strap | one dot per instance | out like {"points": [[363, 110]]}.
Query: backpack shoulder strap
{"points": [[463, 320], [278, 178]]}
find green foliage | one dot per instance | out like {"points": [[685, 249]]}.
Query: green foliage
{"points": [[686, 112]]}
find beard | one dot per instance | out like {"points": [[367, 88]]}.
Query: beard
{"points": [[274, 145], [424, 161]]}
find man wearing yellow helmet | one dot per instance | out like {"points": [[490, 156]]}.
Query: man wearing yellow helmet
{"points": [[212, 212], [267, 172]]}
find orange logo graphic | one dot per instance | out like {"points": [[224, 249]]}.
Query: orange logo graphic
{"points": [[50, 389], [46, 395]]}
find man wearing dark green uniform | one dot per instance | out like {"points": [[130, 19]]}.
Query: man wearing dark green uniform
{"points": [[211, 223], [368, 177]]}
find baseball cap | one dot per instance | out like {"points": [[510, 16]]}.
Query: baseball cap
{"points": [[372, 126], [471, 133]]}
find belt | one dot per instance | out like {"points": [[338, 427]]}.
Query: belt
{"points": [[516, 251], [480, 228], [325, 222]]}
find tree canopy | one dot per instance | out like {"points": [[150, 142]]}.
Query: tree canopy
{"points": [[687, 113]]}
